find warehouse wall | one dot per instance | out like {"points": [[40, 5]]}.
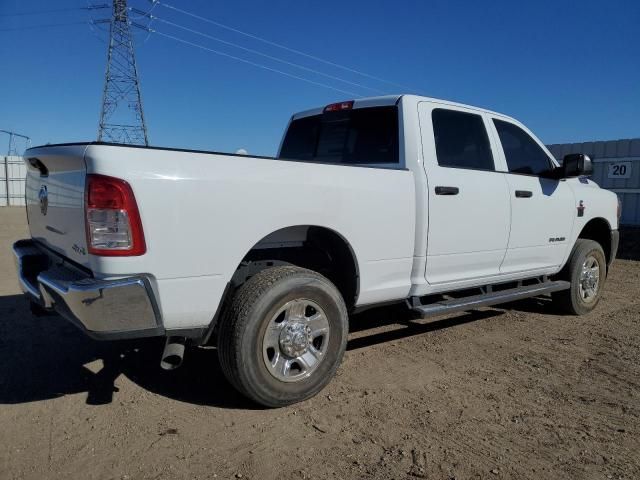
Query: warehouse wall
{"points": [[616, 167], [12, 181]]}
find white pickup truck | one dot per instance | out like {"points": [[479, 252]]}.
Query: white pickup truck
{"points": [[442, 206]]}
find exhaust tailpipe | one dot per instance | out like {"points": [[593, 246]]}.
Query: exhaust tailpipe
{"points": [[173, 353]]}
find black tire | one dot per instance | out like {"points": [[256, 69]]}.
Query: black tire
{"points": [[572, 300], [245, 321]]}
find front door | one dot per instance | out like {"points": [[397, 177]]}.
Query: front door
{"points": [[468, 201], [542, 209]]}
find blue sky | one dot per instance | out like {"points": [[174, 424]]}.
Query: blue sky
{"points": [[569, 70]]}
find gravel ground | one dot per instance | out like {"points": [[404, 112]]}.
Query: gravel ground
{"points": [[522, 393]]}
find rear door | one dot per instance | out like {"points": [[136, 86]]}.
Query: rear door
{"points": [[542, 209], [468, 210], [55, 199]]}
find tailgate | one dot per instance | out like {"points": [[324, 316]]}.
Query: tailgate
{"points": [[55, 199]]}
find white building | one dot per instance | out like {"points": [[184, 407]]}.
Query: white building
{"points": [[12, 181]]}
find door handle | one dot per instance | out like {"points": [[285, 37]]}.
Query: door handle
{"points": [[447, 190], [524, 194]]}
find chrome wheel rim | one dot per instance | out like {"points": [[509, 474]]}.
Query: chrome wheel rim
{"points": [[589, 279], [296, 340]]}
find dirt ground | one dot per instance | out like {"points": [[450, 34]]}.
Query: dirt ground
{"points": [[522, 393]]}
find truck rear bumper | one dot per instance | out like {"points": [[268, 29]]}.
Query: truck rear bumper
{"points": [[103, 309]]}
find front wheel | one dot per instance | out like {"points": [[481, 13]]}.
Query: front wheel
{"points": [[587, 271], [283, 336]]}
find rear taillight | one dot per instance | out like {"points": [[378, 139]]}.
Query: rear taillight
{"points": [[112, 218]]}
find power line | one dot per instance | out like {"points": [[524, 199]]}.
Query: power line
{"points": [[255, 64], [278, 45], [56, 10], [141, 13], [270, 57], [49, 25]]}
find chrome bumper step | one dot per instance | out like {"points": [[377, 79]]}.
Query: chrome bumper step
{"points": [[104, 309]]}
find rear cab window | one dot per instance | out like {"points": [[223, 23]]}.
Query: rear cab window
{"points": [[461, 140], [362, 136]]}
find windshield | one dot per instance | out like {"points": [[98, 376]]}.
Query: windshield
{"points": [[356, 137]]}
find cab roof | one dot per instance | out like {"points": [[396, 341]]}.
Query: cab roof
{"points": [[385, 100]]}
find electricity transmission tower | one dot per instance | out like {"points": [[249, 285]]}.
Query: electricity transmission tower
{"points": [[13, 150], [121, 116]]}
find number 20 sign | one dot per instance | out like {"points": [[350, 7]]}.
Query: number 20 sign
{"points": [[619, 170]]}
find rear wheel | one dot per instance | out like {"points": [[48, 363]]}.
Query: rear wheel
{"points": [[283, 336], [586, 270]]}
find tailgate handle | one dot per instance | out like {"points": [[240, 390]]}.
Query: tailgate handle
{"points": [[447, 190], [38, 165], [524, 194]]}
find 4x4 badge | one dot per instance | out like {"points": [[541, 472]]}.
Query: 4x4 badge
{"points": [[43, 196]]}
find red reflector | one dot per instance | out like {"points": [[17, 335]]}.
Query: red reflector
{"points": [[106, 192], [336, 107]]}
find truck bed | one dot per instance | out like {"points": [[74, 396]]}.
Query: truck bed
{"points": [[203, 211]]}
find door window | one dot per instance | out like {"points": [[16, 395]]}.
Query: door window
{"points": [[461, 140], [522, 152]]}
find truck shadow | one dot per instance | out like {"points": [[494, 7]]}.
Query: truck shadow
{"points": [[45, 358], [387, 324]]}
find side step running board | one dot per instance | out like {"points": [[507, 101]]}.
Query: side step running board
{"points": [[486, 299]]}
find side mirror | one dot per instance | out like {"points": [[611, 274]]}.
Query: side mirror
{"points": [[576, 165]]}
